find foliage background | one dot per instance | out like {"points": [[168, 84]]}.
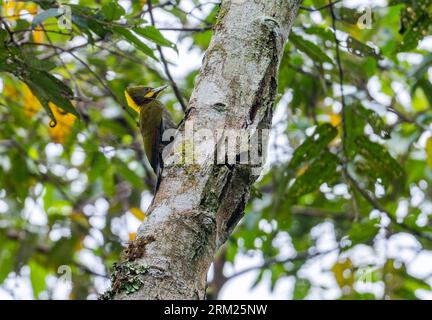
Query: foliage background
{"points": [[342, 211]]}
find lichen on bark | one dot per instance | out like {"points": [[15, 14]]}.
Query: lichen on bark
{"points": [[126, 274]]}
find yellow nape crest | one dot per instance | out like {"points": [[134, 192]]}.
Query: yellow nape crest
{"points": [[131, 103]]}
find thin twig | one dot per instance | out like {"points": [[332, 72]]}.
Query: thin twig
{"points": [[165, 63], [132, 59], [203, 29], [343, 102], [45, 30], [68, 50], [9, 31], [21, 235], [273, 261], [375, 203], [341, 75], [161, 5], [300, 70], [329, 5], [77, 89]]}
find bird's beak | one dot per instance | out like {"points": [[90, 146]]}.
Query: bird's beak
{"points": [[156, 91]]}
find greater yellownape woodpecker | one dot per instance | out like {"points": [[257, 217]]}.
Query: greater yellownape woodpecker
{"points": [[154, 119]]}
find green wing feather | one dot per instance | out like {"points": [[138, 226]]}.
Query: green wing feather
{"points": [[154, 120]]}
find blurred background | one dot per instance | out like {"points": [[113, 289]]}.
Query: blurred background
{"points": [[342, 209]]}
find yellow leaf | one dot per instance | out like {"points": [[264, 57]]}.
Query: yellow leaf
{"points": [[12, 9], [18, 7], [65, 122], [33, 153], [344, 273], [335, 119], [32, 8], [79, 244], [11, 91], [420, 101], [8, 8], [429, 152], [80, 219], [31, 103], [354, 31], [137, 213], [38, 35], [302, 170]]}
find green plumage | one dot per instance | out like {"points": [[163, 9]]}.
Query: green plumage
{"points": [[154, 119]]}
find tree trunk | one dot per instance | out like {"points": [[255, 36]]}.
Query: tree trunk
{"points": [[198, 204]]}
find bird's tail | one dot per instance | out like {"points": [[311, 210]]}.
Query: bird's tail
{"points": [[158, 178]]}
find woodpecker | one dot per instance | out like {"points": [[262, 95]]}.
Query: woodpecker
{"points": [[154, 119]]}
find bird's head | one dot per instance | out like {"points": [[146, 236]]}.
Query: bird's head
{"points": [[139, 96]]}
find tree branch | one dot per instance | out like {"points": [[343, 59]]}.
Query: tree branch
{"points": [[375, 203], [329, 5], [165, 63], [187, 29], [271, 262]]}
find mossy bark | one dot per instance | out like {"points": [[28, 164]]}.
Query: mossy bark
{"points": [[198, 205]]}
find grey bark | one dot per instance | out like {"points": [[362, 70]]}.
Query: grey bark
{"points": [[198, 205]]}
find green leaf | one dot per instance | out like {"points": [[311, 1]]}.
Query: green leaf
{"points": [[320, 171], [202, 39], [37, 277], [112, 11], [348, 15], [429, 152], [419, 71], [379, 162], [41, 17], [7, 63], [413, 284], [108, 181], [42, 97], [86, 19], [375, 121], [417, 32], [324, 33], [131, 38], [364, 232], [426, 86], [22, 25], [354, 128], [127, 173], [301, 288], [8, 249], [313, 145], [63, 251], [48, 88], [38, 64], [361, 49], [3, 37], [413, 11], [98, 166], [154, 35], [311, 49], [49, 196]]}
